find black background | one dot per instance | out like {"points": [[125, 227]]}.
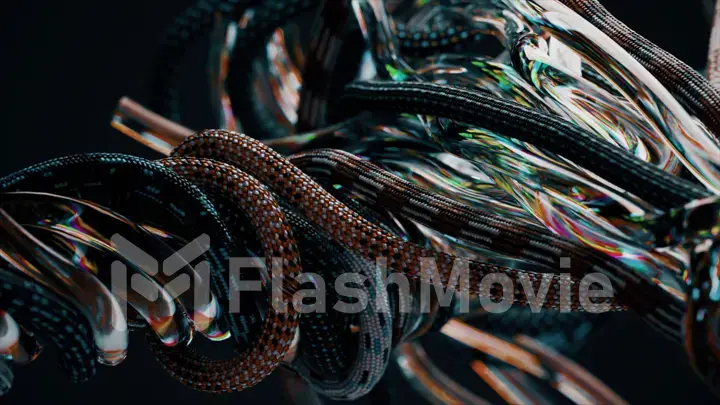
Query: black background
{"points": [[67, 63]]}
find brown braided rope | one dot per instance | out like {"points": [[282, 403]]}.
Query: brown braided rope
{"points": [[356, 233], [384, 190], [273, 343]]}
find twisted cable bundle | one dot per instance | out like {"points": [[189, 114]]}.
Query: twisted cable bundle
{"points": [[580, 146]]}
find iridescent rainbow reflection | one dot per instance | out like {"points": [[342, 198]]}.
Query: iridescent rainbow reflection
{"points": [[84, 231]]}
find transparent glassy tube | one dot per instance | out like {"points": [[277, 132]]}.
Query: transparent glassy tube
{"points": [[90, 231], [583, 206], [33, 258], [548, 187], [9, 336], [591, 107], [495, 361], [698, 152], [94, 255]]}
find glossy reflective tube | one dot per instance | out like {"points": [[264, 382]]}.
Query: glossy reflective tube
{"points": [[34, 259], [699, 153], [94, 236]]}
